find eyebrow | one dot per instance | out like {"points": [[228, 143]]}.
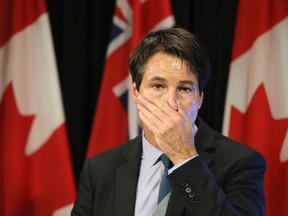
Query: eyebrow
{"points": [[188, 82], [161, 79], [157, 78]]}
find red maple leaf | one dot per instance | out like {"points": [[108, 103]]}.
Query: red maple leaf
{"points": [[36, 184], [258, 129]]}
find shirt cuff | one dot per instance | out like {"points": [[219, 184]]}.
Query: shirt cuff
{"points": [[180, 164]]}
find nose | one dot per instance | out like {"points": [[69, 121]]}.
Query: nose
{"points": [[172, 100]]}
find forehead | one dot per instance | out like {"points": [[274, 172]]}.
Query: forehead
{"points": [[167, 67]]}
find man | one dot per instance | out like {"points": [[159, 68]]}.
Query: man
{"points": [[210, 174]]}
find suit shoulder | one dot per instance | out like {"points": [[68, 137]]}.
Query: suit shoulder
{"points": [[235, 149], [225, 146], [118, 153]]}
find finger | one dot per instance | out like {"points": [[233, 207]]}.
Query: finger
{"points": [[151, 126], [153, 118], [154, 105], [151, 107]]}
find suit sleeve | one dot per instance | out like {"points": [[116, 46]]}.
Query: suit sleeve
{"points": [[240, 193], [84, 199]]}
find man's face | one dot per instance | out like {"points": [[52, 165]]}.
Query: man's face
{"points": [[169, 80]]}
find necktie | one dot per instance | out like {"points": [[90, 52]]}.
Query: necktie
{"points": [[165, 188]]}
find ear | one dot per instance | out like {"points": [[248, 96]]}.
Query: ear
{"points": [[135, 93], [200, 99]]}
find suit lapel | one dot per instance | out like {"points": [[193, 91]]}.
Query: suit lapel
{"points": [[127, 179], [204, 142]]}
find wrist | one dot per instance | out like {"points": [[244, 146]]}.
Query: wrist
{"points": [[179, 158]]}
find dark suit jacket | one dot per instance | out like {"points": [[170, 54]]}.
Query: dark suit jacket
{"points": [[226, 179]]}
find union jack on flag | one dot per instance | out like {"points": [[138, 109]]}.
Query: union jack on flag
{"points": [[116, 118]]}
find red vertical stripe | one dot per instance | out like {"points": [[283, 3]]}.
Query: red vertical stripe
{"points": [[16, 15], [254, 18]]}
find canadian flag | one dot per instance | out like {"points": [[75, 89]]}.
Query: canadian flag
{"points": [[116, 118], [256, 111], [35, 168]]}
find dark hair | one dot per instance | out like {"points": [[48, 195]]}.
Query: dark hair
{"points": [[175, 42]]}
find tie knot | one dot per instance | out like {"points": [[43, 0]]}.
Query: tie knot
{"points": [[166, 161]]}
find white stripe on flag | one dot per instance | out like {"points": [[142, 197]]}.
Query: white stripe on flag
{"points": [[36, 88], [264, 59]]}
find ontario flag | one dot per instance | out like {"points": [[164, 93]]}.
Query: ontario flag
{"points": [[256, 111], [35, 169], [116, 118]]}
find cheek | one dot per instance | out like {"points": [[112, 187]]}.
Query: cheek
{"points": [[150, 93], [192, 110]]}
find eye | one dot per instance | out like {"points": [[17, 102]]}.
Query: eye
{"points": [[157, 86], [186, 89]]}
